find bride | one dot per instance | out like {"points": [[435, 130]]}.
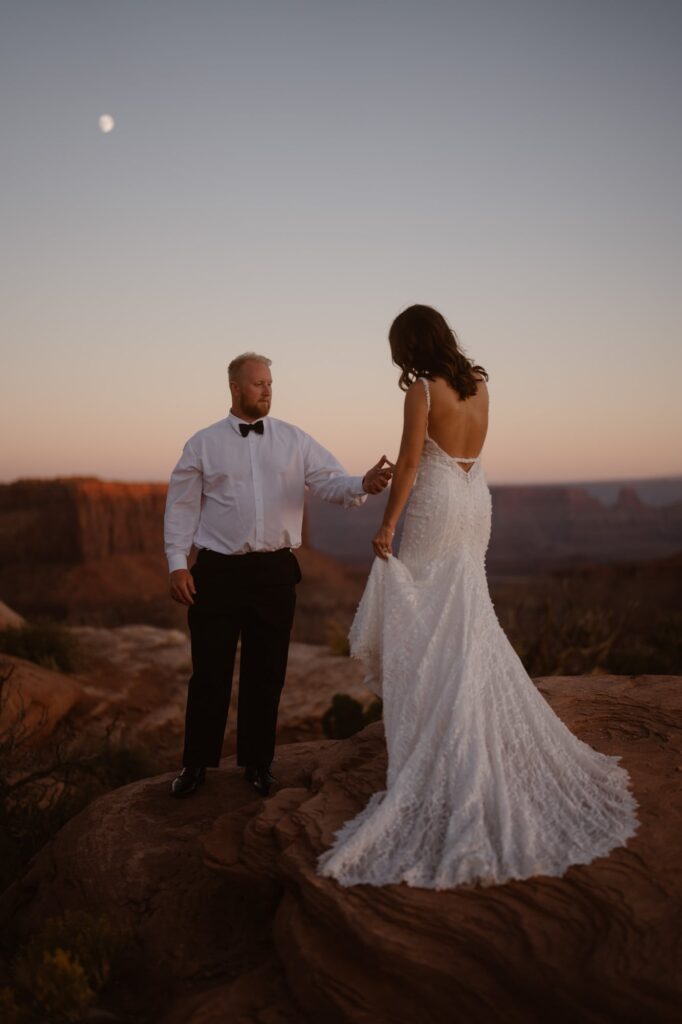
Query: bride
{"points": [[485, 783]]}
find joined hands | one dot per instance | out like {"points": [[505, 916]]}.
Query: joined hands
{"points": [[378, 477]]}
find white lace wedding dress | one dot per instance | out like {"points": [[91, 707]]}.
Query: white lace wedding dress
{"points": [[485, 783]]}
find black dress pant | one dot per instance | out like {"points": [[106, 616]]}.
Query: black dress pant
{"points": [[251, 596]]}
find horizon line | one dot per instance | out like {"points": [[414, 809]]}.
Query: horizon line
{"points": [[659, 478]]}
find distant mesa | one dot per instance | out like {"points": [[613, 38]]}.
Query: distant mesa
{"points": [[535, 529], [86, 551]]}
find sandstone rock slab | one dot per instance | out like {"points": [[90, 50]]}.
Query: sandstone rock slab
{"points": [[222, 893]]}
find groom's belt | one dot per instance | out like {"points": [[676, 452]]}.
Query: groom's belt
{"points": [[252, 567]]}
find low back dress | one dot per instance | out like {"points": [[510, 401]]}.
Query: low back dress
{"points": [[484, 783]]}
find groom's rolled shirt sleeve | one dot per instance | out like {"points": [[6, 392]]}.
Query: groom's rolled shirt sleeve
{"points": [[326, 477], [183, 508]]}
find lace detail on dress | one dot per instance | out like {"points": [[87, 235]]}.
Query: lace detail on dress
{"points": [[485, 783]]}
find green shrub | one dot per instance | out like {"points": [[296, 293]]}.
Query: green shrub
{"points": [[46, 644], [61, 970], [60, 986]]}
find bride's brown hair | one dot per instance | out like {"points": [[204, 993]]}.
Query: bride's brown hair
{"points": [[423, 345]]}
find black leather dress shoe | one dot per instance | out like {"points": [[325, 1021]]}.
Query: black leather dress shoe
{"points": [[260, 777], [187, 781]]}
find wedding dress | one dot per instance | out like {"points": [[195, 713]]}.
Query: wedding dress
{"points": [[485, 783]]}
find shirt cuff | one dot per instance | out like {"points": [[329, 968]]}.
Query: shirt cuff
{"points": [[355, 496], [177, 562]]}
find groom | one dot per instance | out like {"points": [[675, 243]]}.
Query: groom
{"points": [[237, 493]]}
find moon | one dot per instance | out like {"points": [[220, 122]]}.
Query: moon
{"points": [[106, 123]]}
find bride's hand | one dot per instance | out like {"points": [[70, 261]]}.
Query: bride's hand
{"points": [[383, 542]]}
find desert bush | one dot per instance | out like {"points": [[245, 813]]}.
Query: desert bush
{"points": [[45, 643], [562, 627], [657, 651], [346, 716], [61, 970], [556, 632]]}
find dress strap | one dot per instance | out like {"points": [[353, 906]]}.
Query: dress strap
{"points": [[428, 392], [428, 403]]}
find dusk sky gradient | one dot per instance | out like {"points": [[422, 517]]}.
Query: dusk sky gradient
{"points": [[287, 176]]}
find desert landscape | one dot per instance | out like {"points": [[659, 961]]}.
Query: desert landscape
{"points": [[209, 910], [237, 237]]}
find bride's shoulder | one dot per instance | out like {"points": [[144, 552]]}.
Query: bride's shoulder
{"points": [[416, 391], [417, 400]]}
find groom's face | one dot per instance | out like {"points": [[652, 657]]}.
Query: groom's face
{"points": [[252, 393]]}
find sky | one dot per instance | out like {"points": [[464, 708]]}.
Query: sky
{"points": [[286, 176]]}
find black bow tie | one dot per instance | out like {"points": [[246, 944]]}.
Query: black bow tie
{"points": [[245, 428]]}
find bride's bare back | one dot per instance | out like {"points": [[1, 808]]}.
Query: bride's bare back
{"points": [[458, 427]]}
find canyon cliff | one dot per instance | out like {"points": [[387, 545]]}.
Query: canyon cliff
{"points": [[84, 551]]}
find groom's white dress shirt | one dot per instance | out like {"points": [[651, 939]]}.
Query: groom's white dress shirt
{"points": [[235, 494]]}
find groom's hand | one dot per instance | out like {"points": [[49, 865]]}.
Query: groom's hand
{"points": [[182, 588], [378, 477]]}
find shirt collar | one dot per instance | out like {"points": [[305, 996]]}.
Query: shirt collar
{"points": [[234, 422]]}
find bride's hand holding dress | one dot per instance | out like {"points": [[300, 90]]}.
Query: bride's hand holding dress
{"points": [[405, 469]]}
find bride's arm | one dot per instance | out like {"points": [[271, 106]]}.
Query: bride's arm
{"points": [[414, 431]]}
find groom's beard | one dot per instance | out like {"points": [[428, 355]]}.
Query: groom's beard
{"points": [[257, 409]]}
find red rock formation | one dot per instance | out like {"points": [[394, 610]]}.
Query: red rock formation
{"points": [[78, 519], [232, 923], [34, 700], [82, 550]]}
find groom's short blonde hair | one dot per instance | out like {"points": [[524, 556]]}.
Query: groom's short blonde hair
{"points": [[235, 368]]}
